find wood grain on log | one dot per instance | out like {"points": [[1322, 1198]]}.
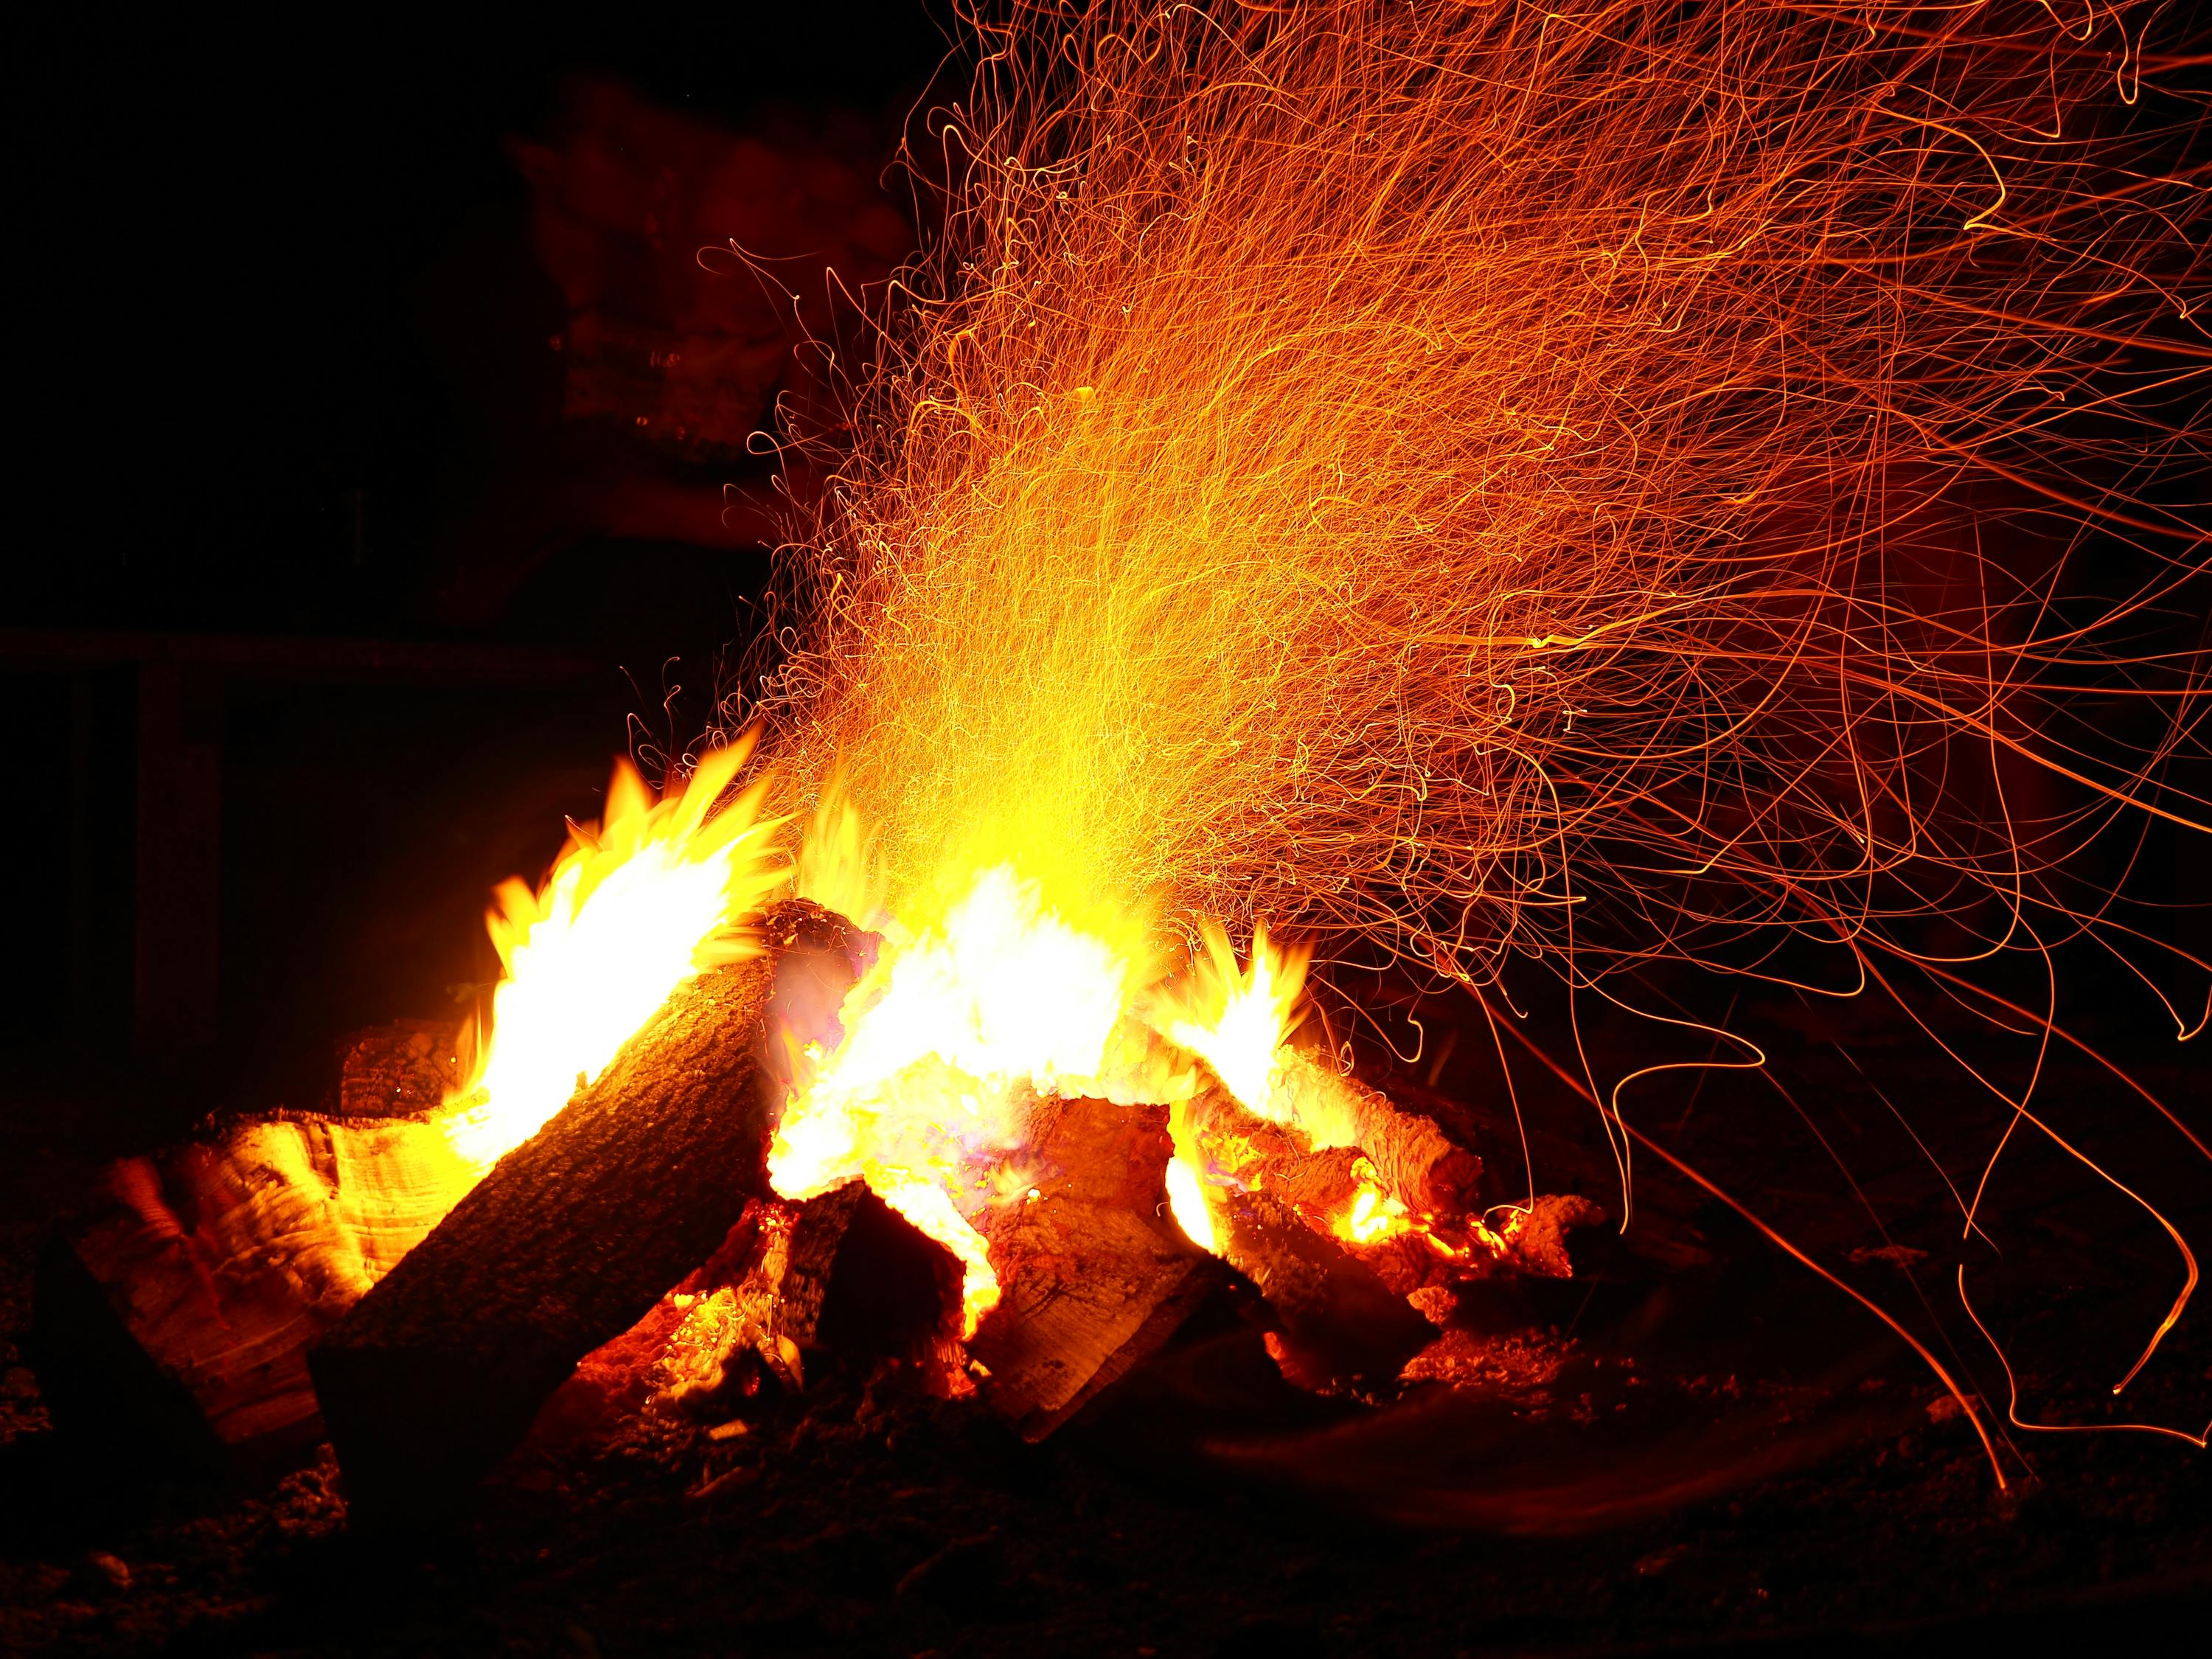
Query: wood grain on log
{"points": [[177, 1313], [569, 1240], [1095, 1274]]}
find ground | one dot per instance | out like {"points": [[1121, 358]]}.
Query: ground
{"points": [[1728, 1453]]}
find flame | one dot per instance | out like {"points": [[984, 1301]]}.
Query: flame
{"points": [[1501, 480], [1371, 1217], [1236, 1022], [1186, 1202], [635, 906], [837, 867], [961, 1016]]}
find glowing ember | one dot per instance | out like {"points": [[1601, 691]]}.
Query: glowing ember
{"points": [[633, 907]]}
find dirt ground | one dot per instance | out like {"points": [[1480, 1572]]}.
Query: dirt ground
{"points": [[1659, 1455]]}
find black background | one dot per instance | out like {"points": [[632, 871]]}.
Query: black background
{"points": [[231, 240]]}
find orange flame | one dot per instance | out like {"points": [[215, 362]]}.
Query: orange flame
{"points": [[923, 1097], [635, 906], [1236, 1021]]}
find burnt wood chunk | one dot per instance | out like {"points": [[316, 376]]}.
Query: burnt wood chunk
{"points": [[1094, 1273], [409, 1066], [174, 1317], [575, 1235], [1342, 1323]]}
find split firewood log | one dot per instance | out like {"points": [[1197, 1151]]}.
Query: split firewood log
{"points": [[173, 1319], [1094, 1274], [791, 1282], [437, 1372], [840, 1272], [1415, 1162]]}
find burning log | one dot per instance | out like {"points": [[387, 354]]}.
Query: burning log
{"points": [[175, 1317], [1415, 1162], [840, 1272], [1095, 1275], [1342, 1322], [437, 1373]]}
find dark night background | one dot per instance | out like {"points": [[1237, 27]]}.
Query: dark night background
{"points": [[281, 344]]}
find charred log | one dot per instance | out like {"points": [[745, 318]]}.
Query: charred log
{"points": [[438, 1372]]}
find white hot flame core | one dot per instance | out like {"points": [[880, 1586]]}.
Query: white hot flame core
{"points": [[919, 1100]]}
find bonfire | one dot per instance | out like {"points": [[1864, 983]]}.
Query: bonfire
{"points": [[1480, 489]]}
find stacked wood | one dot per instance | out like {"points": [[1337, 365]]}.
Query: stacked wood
{"points": [[1094, 1274], [174, 1317], [437, 1372]]}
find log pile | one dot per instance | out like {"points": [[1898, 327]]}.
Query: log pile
{"points": [[346, 1274]]}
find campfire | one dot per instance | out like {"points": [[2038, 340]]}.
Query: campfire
{"points": [[1487, 489], [1023, 1150]]}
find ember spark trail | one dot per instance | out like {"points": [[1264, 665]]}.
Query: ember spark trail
{"points": [[1600, 485], [1505, 479]]}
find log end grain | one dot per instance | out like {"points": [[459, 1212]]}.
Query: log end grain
{"points": [[217, 1262]]}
